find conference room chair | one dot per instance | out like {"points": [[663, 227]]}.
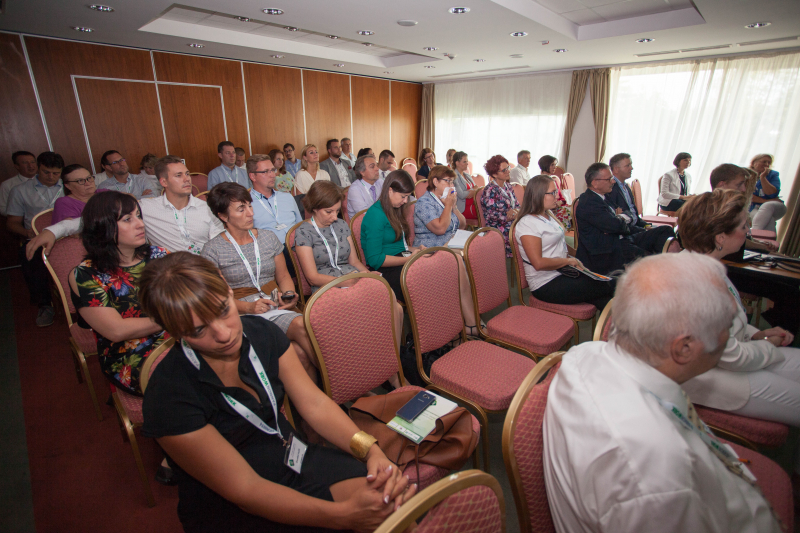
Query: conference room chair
{"points": [[530, 330], [343, 210], [519, 192], [467, 502], [355, 232], [203, 196], [479, 207], [479, 375], [408, 213], [671, 246], [661, 218], [353, 362], [303, 286], [567, 183], [42, 220], [573, 215], [64, 256], [199, 180], [577, 312], [411, 168], [523, 447], [479, 180], [420, 188], [129, 412], [764, 234]]}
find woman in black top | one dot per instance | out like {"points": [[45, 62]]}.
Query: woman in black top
{"points": [[213, 403]]}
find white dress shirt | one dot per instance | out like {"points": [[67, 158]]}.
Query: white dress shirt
{"points": [[101, 176], [519, 174], [303, 180], [5, 190], [616, 460], [554, 245]]}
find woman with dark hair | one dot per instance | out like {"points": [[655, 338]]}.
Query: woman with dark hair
{"points": [[78, 188], [365, 151], [675, 184], [563, 213], [766, 207], [252, 263], [543, 248], [465, 186], [427, 160], [284, 181], [499, 203], [105, 288]]}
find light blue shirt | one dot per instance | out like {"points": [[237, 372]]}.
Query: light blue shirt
{"points": [[223, 173], [264, 212], [293, 168], [28, 199], [628, 199], [359, 196], [135, 185]]}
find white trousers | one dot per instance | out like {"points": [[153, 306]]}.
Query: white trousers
{"points": [[766, 215]]}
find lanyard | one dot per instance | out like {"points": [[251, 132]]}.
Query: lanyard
{"points": [[738, 298], [182, 227], [230, 175], [274, 207], [254, 278], [246, 413], [439, 201], [334, 263], [44, 196], [510, 197]]}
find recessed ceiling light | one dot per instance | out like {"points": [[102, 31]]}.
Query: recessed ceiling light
{"points": [[244, 19], [101, 8], [429, 66], [83, 29], [645, 40], [332, 37], [277, 56], [338, 64], [459, 10], [479, 60], [430, 48], [366, 32], [560, 50], [196, 45], [519, 34], [388, 72], [367, 44], [273, 11], [407, 23], [290, 28], [755, 25]]}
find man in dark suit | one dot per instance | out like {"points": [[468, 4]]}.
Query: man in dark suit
{"points": [[338, 168]]}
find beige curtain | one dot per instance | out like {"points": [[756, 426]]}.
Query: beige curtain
{"points": [[577, 92], [600, 89], [426, 123], [789, 230]]}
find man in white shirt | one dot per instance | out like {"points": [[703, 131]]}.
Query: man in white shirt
{"points": [[122, 180], [340, 170], [25, 163], [386, 163], [368, 185], [228, 171], [624, 449], [241, 158], [519, 174], [347, 151]]}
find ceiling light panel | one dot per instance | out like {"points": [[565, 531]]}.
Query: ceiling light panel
{"points": [[83, 29], [272, 11], [366, 32], [519, 34], [101, 8], [756, 25], [459, 10]]}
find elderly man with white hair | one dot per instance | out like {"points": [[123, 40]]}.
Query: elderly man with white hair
{"points": [[623, 447]]}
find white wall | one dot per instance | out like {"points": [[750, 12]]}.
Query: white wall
{"points": [[581, 152]]}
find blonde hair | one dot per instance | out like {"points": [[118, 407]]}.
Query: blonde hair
{"points": [[761, 156], [303, 162]]}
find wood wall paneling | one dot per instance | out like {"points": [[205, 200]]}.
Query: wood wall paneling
{"points": [[194, 125], [370, 114], [121, 116], [54, 62], [274, 107], [406, 110], [327, 98]]}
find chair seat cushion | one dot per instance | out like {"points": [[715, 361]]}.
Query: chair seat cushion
{"points": [[763, 234], [132, 406], [653, 219], [582, 311], [84, 338], [759, 432], [539, 331], [483, 373]]}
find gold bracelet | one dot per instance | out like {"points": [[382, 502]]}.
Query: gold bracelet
{"points": [[361, 443]]}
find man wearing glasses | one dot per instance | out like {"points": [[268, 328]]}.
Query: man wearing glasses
{"points": [[291, 163], [121, 179]]}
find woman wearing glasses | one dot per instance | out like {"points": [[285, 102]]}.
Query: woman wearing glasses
{"points": [[499, 203], [544, 251], [427, 160], [79, 186]]}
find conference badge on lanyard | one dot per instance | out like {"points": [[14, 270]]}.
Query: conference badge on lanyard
{"points": [[187, 237], [254, 278], [334, 261]]}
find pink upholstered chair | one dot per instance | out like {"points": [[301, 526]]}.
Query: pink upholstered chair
{"points": [[577, 312], [603, 328], [480, 375], [574, 216], [203, 196], [523, 447], [519, 192], [66, 254], [467, 502], [479, 207], [408, 213], [420, 189], [199, 180], [479, 180], [533, 331], [355, 232], [302, 281], [345, 216], [758, 234], [661, 218], [42, 220], [671, 246]]}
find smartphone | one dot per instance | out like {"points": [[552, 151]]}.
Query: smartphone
{"points": [[416, 405], [287, 296]]}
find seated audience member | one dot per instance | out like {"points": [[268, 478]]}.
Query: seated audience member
{"points": [[25, 163], [519, 174], [499, 203], [563, 212], [241, 157], [78, 188], [366, 189], [339, 170], [311, 170], [386, 163], [284, 182], [293, 164], [121, 179], [347, 151], [766, 207], [436, 218], [365, 151], [624, 449], [25, 202], [250, 261], [148, 172], [465, 186], [676, 184], [544, 251], [449, 157], [103, 175], [228, 171], [427, 160], [608, 239], [222, 429]]}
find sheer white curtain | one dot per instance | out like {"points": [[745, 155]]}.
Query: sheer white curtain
{"points": [[502, 116], [718, 110]]}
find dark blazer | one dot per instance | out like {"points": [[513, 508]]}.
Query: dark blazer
{"points": [[330, 168], [616, 199], [599, 230]]}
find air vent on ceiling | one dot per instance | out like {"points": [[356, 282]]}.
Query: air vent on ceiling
{"points": [[769, 41], [684, 50]]}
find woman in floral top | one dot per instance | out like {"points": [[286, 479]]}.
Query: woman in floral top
{"points": [[284, 181], [105, 286], [499, 203]]}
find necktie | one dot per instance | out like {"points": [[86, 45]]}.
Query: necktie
{"points": [[372, 192]]}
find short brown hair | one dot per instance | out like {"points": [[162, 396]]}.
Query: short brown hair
{"points": [[179, 284], [162, 165], [726, 172], [254, 160], [221, 196], [707, 215], [439, 172], [322, 195], [544, 163], [148, 160]]}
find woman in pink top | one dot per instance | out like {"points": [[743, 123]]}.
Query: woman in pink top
{"points": [[79, 186]]}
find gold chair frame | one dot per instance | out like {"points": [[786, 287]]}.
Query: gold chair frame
{"points": [[361, 213], [33, 221], [296, 263]]}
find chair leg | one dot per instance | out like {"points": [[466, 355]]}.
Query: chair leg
{"points": [[484, 420], [759, 301], [129, 435], [80, 361]]}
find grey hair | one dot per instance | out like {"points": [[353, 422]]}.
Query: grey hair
{"points": [[666, 296], [361, 165]]}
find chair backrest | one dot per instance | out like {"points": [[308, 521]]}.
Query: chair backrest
{"points": [[485, 260], [511, 165], [636, 187], [408, 212], [479, 207], [199, 180], [355, 232], [412, 169], [603, 327], [574, 215], [523, 447], [519, 192], [42, 220], [420, 188], [154, 358], [430, 283], [203, 196], [568, 184], [519, 271], [353, 334], [671, 246], [195, 190], [469, 167], [66, 254], [471, 502], [479, 180], [305, 286], [345, 216], [559, 172]]}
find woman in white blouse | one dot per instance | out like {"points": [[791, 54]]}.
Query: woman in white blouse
{"points": [[676, 184], [310, 171], [544, 251]]}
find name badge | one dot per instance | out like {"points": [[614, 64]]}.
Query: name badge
{"points": [[295, 453], [281, 226]]}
